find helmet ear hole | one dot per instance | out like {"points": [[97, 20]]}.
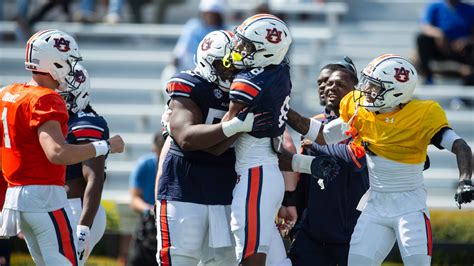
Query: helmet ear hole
{"points": [[58, 65]]}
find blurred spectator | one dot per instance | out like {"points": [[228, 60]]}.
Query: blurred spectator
{"points": [[161, 7], [211, 17], [447, 34], [87, 13], [142, 184], [26, 23]]}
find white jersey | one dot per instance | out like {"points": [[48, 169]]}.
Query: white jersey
{"points": [[395, 188], [251, 151]]}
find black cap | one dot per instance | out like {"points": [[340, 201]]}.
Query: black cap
{"points": [[348, 64]]}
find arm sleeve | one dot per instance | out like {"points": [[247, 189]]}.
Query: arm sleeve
{"points": [[48, 107], [351, 155]]}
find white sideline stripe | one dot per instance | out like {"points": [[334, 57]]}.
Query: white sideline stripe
{"points": [[167, 30], [103, 55], [447, 91], [140, 56], [130, 109], [97, 84]]}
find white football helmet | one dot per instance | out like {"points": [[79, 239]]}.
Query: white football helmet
{"points": [[77, 94], [260, 41], [53, 52], [210, 53], [387, 82]]}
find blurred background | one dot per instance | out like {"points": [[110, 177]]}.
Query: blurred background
{"points": [[129, 48]]}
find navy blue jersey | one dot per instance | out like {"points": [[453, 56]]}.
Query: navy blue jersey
{"points": [[265, 90], [84, 126], [331, 214], [198, 176]]}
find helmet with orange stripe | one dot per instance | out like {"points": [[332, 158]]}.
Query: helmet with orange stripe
{"points": [[386, 82], [77, 94], [53, 52], [260, 41], [210, 53]]}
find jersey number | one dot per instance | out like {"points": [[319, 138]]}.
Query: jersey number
{"points": [[6, 136], [283, 111], [214, 116]]}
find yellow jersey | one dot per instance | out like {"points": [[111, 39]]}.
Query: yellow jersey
{"points": [[402, 135]]}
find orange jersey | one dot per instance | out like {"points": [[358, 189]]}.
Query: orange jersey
{"points": [[23, 109]]}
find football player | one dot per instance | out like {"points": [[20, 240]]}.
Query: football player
{"points": [[195, 186], [85, 180], [395, 130], [259, 49], [34, 151]]}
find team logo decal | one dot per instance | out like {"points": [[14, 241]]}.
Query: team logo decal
{"points": [[79, 76], [273, 35], [61, 44], [402, 74], [206, 44], [218, 93]]}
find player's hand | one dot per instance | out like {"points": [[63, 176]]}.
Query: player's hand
{"points": [[83, 242], [287, 217], [116, 144], [306, 143], [464, 192], [324, 167]]}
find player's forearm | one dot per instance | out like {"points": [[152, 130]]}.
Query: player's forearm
{"points": [[139, 205], [432, 31], [298, 122], [200, 137], [464, 159], [221, 147], [91, 200], [291, 180]]}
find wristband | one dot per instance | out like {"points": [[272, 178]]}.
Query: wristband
{"points": [[83, 228], [313, 131], [101, 147], [290, 199], [301, 163], [231, 127]]}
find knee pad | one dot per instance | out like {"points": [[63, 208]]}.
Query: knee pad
{"points": [[359, 260], [417, 260]]}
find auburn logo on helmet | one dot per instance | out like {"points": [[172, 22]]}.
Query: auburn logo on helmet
{"points": [[206, 44], [79, 76], [61, 44], [402, 74], [273, 35]]}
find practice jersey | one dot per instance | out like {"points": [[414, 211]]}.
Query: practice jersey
{"points": [[402, 136], [265, 90], [198, 176], [23, 109], [84, 126]]}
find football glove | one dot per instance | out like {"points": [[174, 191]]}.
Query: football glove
{"points": [[83, 242], [324, 167], [464, 193]]}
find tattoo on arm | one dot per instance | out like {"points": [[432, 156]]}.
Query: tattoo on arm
{"points": [[298, 122], [464, 158]]}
